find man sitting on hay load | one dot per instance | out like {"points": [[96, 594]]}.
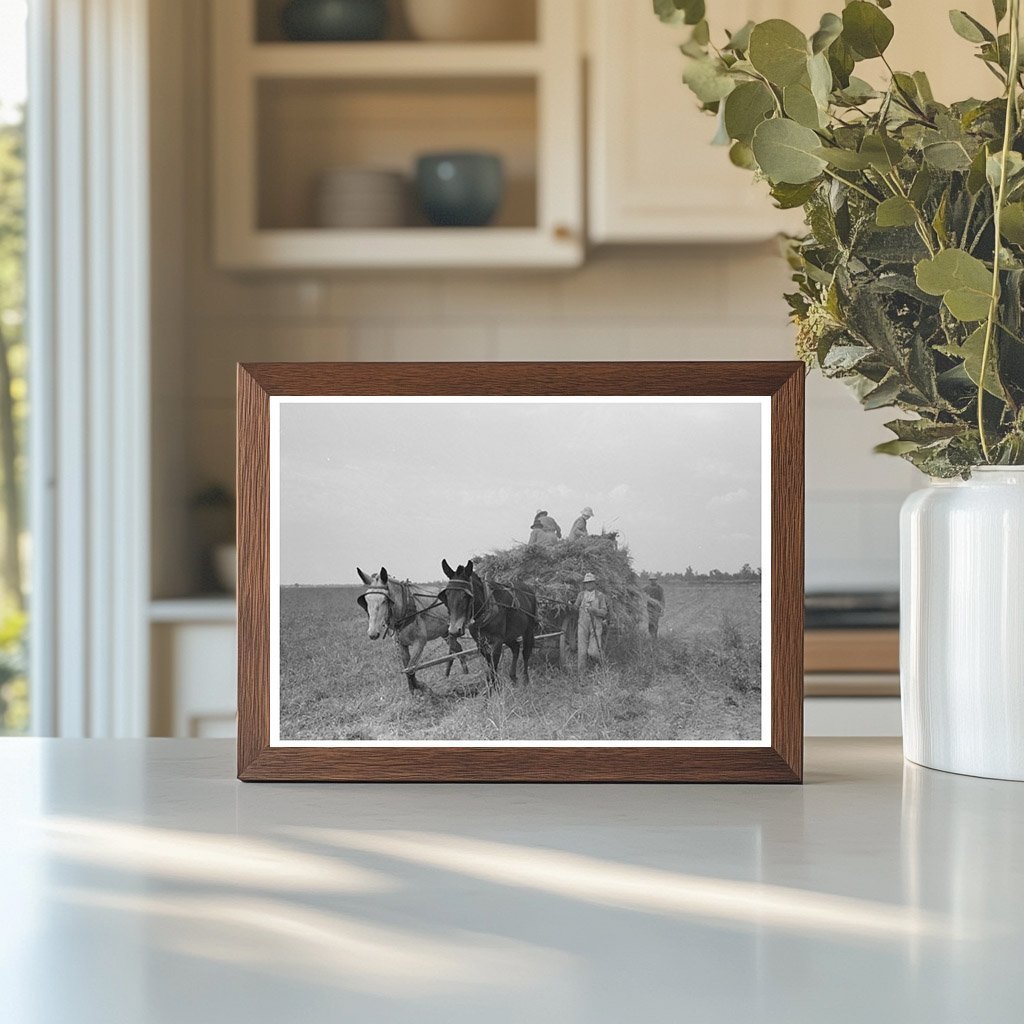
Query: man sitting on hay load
{"points": [[592, 606], [545, 531], [579, 528]]}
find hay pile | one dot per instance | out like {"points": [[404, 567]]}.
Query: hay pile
{"points": [[557, 572]]}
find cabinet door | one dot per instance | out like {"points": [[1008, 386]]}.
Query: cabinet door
{"points": [[653, 175]]}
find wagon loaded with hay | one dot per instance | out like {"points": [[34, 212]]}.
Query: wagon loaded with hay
{"points": [[556, 573]]}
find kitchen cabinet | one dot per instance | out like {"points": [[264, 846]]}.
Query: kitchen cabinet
{"points": [[192, 646], [287, 113], [653, 175]]}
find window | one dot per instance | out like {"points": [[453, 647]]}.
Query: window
{"points": [[14, 549]]}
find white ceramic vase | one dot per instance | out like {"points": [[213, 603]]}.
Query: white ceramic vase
{"points": [[962, 624]]}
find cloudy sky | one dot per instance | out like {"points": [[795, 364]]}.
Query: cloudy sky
{"points": [[407, 484]]}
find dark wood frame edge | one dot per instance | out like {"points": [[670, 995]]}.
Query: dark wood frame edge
{"points": [[781, 762]]}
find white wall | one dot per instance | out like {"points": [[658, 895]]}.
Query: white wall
{"points": [[656, 303]]}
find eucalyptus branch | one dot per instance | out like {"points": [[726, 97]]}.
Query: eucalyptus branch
{"points": [[850, 184], [923, 227], [1000, 199]]}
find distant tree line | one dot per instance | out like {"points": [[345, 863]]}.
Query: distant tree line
{"points": [[746, 574]]}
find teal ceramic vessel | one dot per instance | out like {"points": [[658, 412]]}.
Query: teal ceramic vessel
{"points": [[461, 190], [334, 21]]}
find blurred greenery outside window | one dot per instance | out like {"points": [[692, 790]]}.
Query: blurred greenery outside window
{"points": [[14, 548]]}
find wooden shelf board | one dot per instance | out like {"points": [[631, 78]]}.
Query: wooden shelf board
{"points": [[852, 650], [393, 60], [402, 247]]}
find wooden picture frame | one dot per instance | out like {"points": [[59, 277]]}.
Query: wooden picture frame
{"points": [[779, 759]]}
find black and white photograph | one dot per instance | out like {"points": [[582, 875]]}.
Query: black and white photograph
{"points": [[544, 570]]}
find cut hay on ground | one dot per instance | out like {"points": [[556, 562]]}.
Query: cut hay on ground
{"points": [[557, 572]]}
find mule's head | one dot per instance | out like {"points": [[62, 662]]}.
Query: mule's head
{"points": [[458, 597], [376, 602]]}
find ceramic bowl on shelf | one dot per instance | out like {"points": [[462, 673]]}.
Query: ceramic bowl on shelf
{"points": [[361, 198], [332, 21], [470, 20], [460, 189]]}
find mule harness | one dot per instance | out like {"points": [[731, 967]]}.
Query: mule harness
{"points": [[408, 596]]}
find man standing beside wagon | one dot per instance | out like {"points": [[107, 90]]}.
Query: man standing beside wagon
{"points": [[592, 607]]}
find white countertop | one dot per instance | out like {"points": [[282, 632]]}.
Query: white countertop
{"points": [[143, 885]]}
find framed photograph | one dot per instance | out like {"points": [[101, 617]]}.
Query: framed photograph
{"points": [[513, 572]]}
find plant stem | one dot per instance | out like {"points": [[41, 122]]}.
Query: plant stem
{"points": [[856, 188], [923, 228], [993, 309]]}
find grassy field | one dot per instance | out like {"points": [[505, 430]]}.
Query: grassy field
{"points": [[700, 681]]}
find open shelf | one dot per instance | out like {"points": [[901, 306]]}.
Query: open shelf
{"points": [[308, 127], [286, 114]]}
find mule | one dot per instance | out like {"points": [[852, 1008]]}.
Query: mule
{"points": [[495, 614], [415, 615]]}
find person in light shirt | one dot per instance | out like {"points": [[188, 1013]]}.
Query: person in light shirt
{"points": [[579, 528], [592, 606]]}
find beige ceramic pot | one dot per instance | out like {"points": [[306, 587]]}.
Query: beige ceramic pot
{"points": [[471, 20]]}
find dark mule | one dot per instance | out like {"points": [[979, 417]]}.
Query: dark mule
{"points": [[494, 614], [414, 614]]}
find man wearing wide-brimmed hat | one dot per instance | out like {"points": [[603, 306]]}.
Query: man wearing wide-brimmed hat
{"points": [[592, 606], [579, 528]]}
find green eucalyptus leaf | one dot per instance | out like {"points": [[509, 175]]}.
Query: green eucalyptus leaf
{"points": [[923, 431], [969, 28], [785, 152], [866, 29], [887, 393], [896, 212], [739, 41], [939, 220], [721, 136], [921, 185], [708, 80], [972, 352], [819, 75], [976, 173], [701, 33], [779, 51], [1014, 169], [858, 91], [789, 197], [999, 7], [741, 155], [745, 108], [676, 12], [924, 87], [829, 30], [896, 447], [1012, 224], [800, 105], [844, 159], [841, 60], [963, 281], [882, 152], [947, 156]]}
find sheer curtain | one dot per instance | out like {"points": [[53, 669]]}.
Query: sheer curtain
{"points": [[88, 300]]}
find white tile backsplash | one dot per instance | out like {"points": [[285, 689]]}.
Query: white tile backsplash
{"points": [[649, 302], [714, 303]]}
